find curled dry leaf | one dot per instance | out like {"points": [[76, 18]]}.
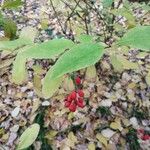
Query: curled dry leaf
{"points": [[68, 84], [36, 104]]}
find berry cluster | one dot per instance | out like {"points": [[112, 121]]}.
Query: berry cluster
{"points": [[142, 135], [75, 98]]}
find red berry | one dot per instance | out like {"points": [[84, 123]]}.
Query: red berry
{"points": [[140, 131], [67, 104], [80, 102], [73, 95], [73, 107], [78, 80], [80, 93], [145, 137], [69, 99]]}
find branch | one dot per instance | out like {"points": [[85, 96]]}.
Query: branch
{"points": [[57, 17]]}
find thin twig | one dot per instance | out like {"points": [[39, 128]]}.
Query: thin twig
{"points": [[57, 17]]}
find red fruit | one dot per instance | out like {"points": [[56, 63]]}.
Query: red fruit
{"points": [[78, 80], [141, 131], [80, 102], [73, 95], [67, 104], [80, 93], [73, 107], [69, 99], [145, 137]]}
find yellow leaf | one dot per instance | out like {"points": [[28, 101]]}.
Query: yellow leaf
{"points": [[36, 104], [37, 85], [44, 24], [72, 137], [51, 134], [132, 85], [102, 139], [148, 78], [116, 126], [91, 73], [91, 146], [38, 70], [70, 116], [71, 140]]}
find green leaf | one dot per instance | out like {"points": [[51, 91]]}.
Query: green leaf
{"points": [[11, 4], [116, 63], [50, 86], [13, 45], [107, 3], [10, 28], [19, 72], [46, 50], [78, 57], [28, 136], [138, 37], [84, 38], [23, 40], [127, 13], [120, 63]]}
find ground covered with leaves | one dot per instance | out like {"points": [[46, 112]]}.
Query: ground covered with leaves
{"points": [[115, 111]]}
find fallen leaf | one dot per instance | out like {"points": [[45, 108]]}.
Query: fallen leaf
{"points": [[148, 78], [91, 146], [102, 139], [36, 104], [90, 73], [51, 134], [37, 85], [116, 126], [6, 63], [108, 133], [71, 140]]}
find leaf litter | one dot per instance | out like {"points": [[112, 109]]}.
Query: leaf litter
{"points": [[108, 120]]}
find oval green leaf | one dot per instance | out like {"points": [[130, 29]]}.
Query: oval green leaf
{"points": [[138, 37], [22, 41], [46, 50], [28, 136], [79, 57]]}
